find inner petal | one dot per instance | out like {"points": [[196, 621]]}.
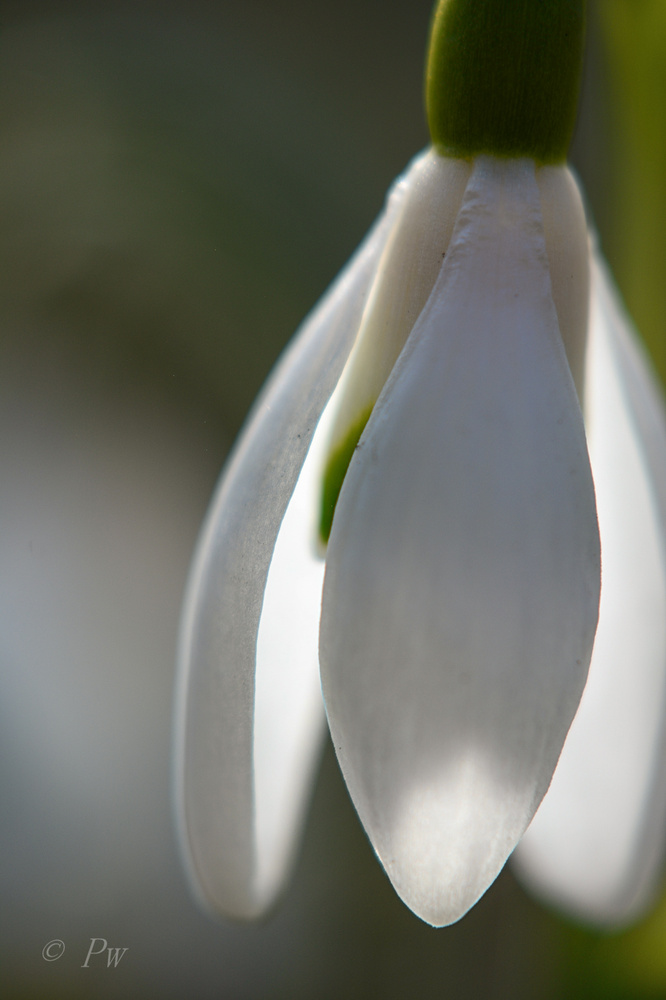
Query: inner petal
{"points": [[407, 271]]}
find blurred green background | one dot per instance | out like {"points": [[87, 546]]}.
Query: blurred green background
{"points": [[179, 182]]}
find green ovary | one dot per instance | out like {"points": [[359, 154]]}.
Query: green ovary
{"points": [[336, 470]]}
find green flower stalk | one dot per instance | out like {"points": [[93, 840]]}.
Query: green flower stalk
{"points": [[408, 524], [503, 78]]}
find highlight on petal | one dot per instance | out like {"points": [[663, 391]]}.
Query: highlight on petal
{"points": [[596, 844], [462, 580], [289, 717], [243, 766]]}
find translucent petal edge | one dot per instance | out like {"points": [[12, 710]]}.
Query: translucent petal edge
{"points": [[214, 705], [596, 845]]}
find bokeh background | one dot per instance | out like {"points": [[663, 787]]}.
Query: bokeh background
{"points": [[179, 182]]}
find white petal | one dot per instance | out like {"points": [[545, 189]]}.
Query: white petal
{"points": [[462, 580], [242, 778], [405, 277], [596, 844], [567, 246]]}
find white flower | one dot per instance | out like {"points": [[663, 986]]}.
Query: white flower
{"points": [[424, 435], [462, 573]]}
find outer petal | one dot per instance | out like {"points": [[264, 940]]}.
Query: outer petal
{"points": [[242, 779], [597, 841], [462, 581]]}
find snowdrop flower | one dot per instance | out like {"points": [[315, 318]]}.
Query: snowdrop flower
{"points": [[420, 454]]}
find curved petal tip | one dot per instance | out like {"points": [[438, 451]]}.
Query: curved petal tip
{"points": [[450, 840]]}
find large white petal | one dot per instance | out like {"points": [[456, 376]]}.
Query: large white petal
{"points": [[596, 843], [462, 579], [242, 777]]}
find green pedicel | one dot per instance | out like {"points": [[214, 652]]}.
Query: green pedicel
{"points": [[503, 77]]}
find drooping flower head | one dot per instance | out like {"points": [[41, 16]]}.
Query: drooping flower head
{"points": [[421, 452]]}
